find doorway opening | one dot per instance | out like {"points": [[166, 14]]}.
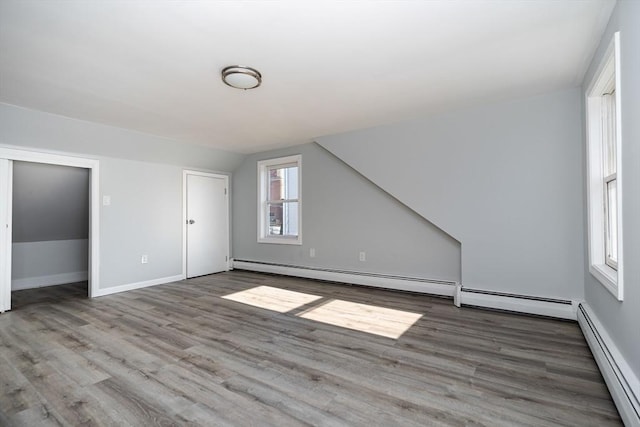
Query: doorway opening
{"points": [[50, 232], [52, 249]]}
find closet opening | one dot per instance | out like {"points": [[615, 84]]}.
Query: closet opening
{"points": [[50, 233], [57, 231]]}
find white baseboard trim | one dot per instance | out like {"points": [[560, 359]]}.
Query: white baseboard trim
{"points": [[563, 309], [137, 285], [623, 384], [434, 287], [49, 280]]}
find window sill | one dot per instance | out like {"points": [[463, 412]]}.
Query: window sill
{"points": [[281, 240], [608, 277]]}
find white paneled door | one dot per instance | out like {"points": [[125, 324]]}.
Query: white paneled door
{"points": [[207, 224]]}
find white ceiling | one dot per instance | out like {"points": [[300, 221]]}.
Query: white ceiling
{"points": [[154, 66]]}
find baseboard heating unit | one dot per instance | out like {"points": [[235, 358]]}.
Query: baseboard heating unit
{"points": [[551, 307], [623, 385], [411, 284], [563, 309]]}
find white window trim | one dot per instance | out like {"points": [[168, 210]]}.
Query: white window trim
{"points": [[609, 68], [263, 183]]}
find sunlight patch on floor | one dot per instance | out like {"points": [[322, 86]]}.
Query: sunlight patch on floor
{"points": [[276, 299], [371, 319]]}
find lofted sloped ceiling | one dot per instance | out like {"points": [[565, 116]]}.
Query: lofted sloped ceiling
{"points": [[328, 67]]}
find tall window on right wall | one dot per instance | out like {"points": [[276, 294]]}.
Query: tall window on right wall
{"points": [[604, 184]]}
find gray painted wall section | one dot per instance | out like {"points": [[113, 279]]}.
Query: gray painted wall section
{"points": [[50, 202], [145, 217], [30, 128], [505, 180], [142, 174], [39, 261], [342, 214], [621, 319]]}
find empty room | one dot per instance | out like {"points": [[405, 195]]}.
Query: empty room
{"points": [[327, 213]]}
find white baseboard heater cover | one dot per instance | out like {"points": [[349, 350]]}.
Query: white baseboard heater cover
{"points": [[411, 284], [563, 309], [623, 385], [551, 307]]}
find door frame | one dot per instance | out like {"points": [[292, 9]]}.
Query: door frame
{"points": [[185, 174], [6, 193]]}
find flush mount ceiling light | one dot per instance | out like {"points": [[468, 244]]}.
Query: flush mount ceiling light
{"points": [[241, 77]]}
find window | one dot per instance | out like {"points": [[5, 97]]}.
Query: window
{"points": [[603, 167], [279, 204], [609, 180]]}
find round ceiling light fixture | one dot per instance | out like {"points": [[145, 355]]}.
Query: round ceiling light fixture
{"points": [[241, 77]]}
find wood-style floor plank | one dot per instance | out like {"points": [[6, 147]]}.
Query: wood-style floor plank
{"points": [[183, 354]]}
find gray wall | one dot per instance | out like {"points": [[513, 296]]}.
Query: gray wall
{"points": [[30, 128], [50, 224], [50, 202], [142, 174], [505, 180], [621, 319], [47, 263], [145, 217], [342, 214]]}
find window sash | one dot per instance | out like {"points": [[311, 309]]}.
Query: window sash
{"points": [[609, 167], [287, 227], [285, 182], [611, 221]]}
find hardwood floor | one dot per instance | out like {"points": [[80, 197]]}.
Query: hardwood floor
{"points": [[203, 352]]}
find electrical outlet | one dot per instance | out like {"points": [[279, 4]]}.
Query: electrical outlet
{"points": [[363, 256], [144, 259], [106, 200], [312, 253]]}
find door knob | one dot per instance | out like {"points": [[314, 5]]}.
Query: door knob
{"points": [[191, 221]]}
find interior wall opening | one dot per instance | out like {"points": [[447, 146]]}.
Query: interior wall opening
{"points": [[50, 232]]}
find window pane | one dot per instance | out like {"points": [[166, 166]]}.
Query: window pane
{"points": [[275, 219], [291, 180], [275, 185], [290, 219], [612, 221], [609, 132], [283, 219], [283, 183]]}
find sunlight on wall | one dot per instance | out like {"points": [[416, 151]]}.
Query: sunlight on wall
{"points": [[371, 319], [270, 298]]}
